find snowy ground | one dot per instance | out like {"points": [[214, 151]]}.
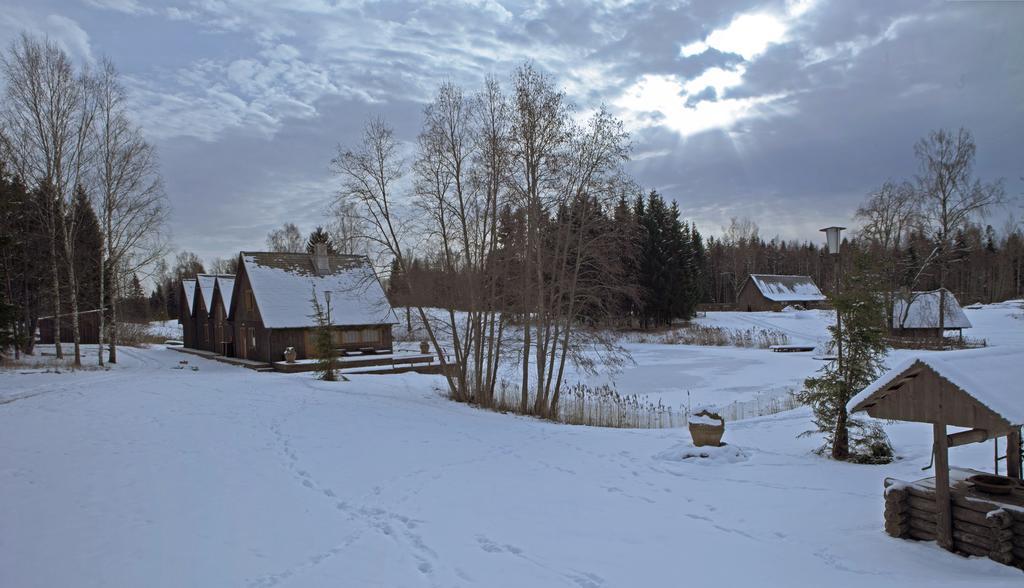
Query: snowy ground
{"points": [[718, 376], [146, 475], [166, 329]]}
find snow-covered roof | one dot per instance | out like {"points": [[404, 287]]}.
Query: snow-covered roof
{"points": [[227, 286], [922, 312], [984, 374], [190, 294], [283, 286], [787, 288], [206, 283]]}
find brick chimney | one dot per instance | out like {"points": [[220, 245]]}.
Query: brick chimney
{"points": [[320, 263]]}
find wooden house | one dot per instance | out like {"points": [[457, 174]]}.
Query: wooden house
{"points": [[963, 510], [762, 292], [203, 301], [916, 314], [271, 306], [203, 313], [221, 329], [186, 312], [88, 328]]}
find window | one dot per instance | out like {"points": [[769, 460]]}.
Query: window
{"points": [[252, 338], [371, 336], [351, 336], [249, 302]]}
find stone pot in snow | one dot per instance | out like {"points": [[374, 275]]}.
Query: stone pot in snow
{"points": [[706, 428], [290, 354], [424, 347]]}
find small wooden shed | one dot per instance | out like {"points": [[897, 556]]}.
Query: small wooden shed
{"points": [[916, 314], [974, 389], [88, 328], [773, 292]]}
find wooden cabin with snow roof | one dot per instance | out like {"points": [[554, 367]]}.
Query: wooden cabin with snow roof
{"points": [[916, 314], [203, 312], [271, 306], [220, 327], [762, 292], [186, 312]]}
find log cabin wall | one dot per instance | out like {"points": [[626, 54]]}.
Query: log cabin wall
{"points": [[980, 528]]}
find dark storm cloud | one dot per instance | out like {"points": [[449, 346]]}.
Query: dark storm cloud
{"points": [[784, 112]]}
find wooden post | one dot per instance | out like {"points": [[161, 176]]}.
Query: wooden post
{"points": [[943, 508], [1013, 454]]}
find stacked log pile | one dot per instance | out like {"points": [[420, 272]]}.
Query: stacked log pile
{"points": [[980, 527]]}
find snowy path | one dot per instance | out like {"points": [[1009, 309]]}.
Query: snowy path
{"points": [[152, 476]]}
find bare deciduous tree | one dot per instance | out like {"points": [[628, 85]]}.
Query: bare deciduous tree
{"points": [[287, 239], [47, 117], [132, 206], [949, 194]]}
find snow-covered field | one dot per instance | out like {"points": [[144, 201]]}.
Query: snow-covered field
{"points": [[146, 475]]}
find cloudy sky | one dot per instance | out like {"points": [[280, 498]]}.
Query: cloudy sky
{"points": [[786, 112]]}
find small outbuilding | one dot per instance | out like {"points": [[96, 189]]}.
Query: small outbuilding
{"points": [[88, 328], [962, 510], [762, 292], [916, 314]]}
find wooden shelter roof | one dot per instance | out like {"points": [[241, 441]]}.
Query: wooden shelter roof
{"points": [[920, 310], [978, 388]]}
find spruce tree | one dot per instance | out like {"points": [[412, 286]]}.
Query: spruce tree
{"points": [[88, 248], [317, 237], [326, 353], [862, 336]]}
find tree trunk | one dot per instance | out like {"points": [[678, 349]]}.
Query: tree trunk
{"points": [[55, 262], [112, 355], [841, 437], [103, 312], [75, 332]]}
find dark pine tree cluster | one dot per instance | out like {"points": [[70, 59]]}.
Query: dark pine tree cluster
{"points": [[668, 263]]}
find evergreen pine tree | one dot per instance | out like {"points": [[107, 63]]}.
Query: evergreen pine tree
{"points": [[320, 236], [326, 353], [863, 349], [88, 245]]}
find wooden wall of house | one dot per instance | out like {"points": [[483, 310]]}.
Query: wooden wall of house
{"points": [[254, 341], [203, 335], [222, 329], [304, 340], [88, 329], [251, 339], [750, 299], [185, 319]]}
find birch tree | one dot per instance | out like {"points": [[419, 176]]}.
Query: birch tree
{"points": [[132, 205], [46, 118]]}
